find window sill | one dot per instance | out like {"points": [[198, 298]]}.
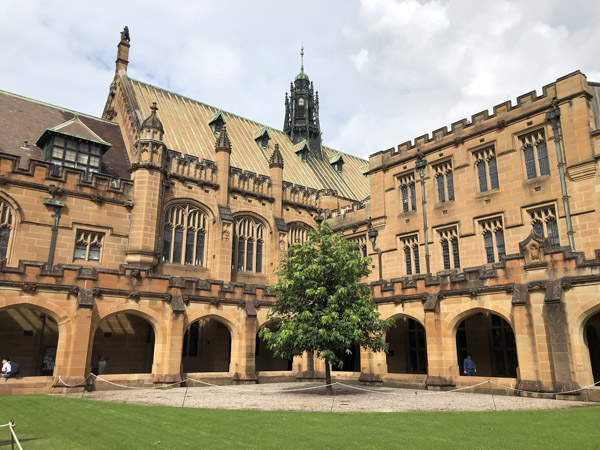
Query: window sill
{"points": [[541, 179], [487, 193], [407, 213], [441, 205]]}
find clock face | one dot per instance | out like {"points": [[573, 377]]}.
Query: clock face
{"points": [[300, 101]]}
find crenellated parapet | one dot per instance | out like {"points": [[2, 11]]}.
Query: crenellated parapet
{"points": [[249, 183], [532, 270], [190, 168], [300, 196], [503, 115], [40, 175], [87, 285]]}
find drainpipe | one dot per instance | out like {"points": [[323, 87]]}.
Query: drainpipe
{"points": [[58, 205], [553, 116]]}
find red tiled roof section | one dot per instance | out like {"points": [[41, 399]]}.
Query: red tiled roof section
{"points": [[23, 119]]}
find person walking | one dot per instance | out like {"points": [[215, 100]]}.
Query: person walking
{"points": [[469, 366]]}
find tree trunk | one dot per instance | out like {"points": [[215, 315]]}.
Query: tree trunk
{"points": [[328, 378]]}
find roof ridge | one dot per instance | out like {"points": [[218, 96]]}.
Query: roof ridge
{"points": [[39, 102]]}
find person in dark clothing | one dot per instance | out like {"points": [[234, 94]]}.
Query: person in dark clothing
{"points": [[469, 366]]}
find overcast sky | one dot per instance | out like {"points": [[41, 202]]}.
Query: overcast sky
{"points": [[387, 71]]}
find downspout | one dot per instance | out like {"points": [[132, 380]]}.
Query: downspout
{"points": [[553, 116], [58, 205]]}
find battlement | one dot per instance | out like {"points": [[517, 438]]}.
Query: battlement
{"points": [[131, 282], [562, 90], [514, 270], [250, 183], [300, 195], [42, 174], [191, 168]]}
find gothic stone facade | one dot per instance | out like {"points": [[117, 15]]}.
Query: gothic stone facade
{"points": [[150, 236]]}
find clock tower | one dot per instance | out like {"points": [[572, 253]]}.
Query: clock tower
{"points": [[302, 113]]}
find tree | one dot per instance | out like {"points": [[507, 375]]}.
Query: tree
{"points": [[321, 305]]}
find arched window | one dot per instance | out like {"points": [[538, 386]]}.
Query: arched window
{"points": [[184, 235], [6, 227], [247, 250], [298, 232]]}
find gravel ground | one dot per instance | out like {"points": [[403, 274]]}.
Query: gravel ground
{"points": [[312, 397]]}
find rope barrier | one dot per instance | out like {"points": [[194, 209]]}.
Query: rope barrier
{"points": [[14, 438], [320, 386], [552, 393]]}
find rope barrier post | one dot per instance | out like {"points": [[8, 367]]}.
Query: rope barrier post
{"points": [[184, 395], [492, 394], [12, 439], [333, 399]]}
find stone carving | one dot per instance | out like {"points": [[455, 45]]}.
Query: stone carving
{"points": [[74, 290], [29, 288], [135, 274], [135, 296], [54, 190], [226, 233]]}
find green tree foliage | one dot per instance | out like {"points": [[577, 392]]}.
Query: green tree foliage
{"points": [[321, 305]]}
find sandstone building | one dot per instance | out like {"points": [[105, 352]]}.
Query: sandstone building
{"points": [[149, 236]]}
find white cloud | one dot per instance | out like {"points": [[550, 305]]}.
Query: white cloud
{"points": [[386, 70]]}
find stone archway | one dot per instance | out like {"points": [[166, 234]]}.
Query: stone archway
{"points": [[206, 346], [408, 347], [592, 335], [126, 341], [29, 336], [265, 360], [490, 340]]}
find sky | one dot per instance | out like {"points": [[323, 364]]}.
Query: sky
{"points": [[387, 71]]}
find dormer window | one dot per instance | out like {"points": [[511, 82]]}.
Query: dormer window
{"points": [[216, 122], [302, 150], [262, 138], [337, 162], [73, 144]]}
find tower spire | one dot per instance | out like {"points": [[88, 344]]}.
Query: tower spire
{"points": [[302, 59]]}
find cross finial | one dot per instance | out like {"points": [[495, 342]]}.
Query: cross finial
{"points": [[302, 58], [154, 108]]}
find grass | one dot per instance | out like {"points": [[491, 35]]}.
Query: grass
{"points": [[67, 423]]}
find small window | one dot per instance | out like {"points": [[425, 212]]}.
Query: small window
{"points": [[445, 182], [535, 154], [487, 169], [407, 193], [88, 245], [493, 239], [543, 222], [247, 248], [449, 246], [410, 246]]}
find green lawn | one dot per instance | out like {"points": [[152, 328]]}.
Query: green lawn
{"points": [[65, 423]]}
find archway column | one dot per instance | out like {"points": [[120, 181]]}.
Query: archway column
{"points": [[74, 347], [439, 356], [528, 375], [244, 359], [166, 367], [373, 365]]}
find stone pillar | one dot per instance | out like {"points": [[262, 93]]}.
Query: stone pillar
{"points": [[123, 51], [528, 369], [373, 366], [246, 366], [438, 362], [167, 353], [147, 167], [73, 366], [557, 332], [223, 156]]}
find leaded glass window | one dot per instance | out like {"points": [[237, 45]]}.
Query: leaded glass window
{"points": [[535, 154], [248, 245], [88, 245], [184, 235], [6, 227]]}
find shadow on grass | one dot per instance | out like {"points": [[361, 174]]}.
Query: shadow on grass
{"points": [[7, 443]]}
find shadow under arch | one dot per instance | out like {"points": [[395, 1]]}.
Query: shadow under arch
{"points": [[265, 359], [407, 346], [126, 339], [207, 344], [34, 337], [489, 338], [591, 337]]}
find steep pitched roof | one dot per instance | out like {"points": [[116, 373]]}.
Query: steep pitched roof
{"points": [[24, 119], [187, 130]]}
